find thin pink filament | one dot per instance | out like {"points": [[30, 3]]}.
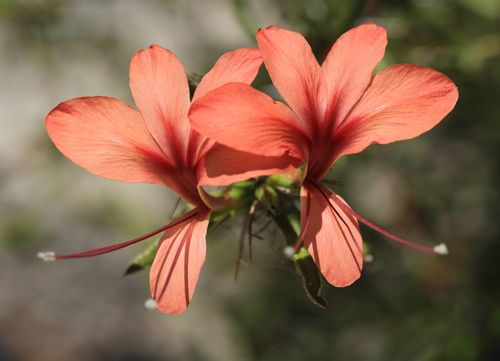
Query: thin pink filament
{"points": [[103, 250], [348, 210]]}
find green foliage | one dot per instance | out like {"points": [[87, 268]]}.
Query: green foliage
{"points": [[142, 260]]}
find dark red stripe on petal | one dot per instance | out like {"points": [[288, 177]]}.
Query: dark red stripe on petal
{"points": [[332, 236], [178, 262]]}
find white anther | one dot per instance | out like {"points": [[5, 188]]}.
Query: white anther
{"points": [[441, 249], [368, 258], [289, 252], [150, 304], [47, 256]]}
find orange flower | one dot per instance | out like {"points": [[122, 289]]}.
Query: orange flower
{"points": [[335, 109], [156, 144]]}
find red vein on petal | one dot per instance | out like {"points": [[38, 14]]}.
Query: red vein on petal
{"points": [[103, 250], [174, 262], [342, 231], [334, 210]]}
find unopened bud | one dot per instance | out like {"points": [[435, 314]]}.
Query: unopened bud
{"points": [[47, 256]]}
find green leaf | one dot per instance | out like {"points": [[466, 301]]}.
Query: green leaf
{"points": [[311, 277], [305, 265], [242, 191], [219, 217], [269, 198], [142, 260]]}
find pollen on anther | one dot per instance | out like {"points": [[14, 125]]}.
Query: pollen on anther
{"points": [[47, 256], [150, 304], [441, 249]]}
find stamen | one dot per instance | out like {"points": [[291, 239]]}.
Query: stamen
{"points": [[347, 209], [440, 249], [51, 256]]}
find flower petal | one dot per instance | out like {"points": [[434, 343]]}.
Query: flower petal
{"points": [[237, 66], [402, 102], [161, 92], [331, 236], [296, 74], [245, 119], [178, 262], [223, 166], [241, 65], [348, 69], [108, 138]]}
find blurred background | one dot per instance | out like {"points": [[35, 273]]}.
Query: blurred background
{"points": [[439, 187]]}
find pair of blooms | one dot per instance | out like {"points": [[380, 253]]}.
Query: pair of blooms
{"points": [[230, 132]]}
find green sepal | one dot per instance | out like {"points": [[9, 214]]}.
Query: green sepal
{"points": [[219, 217], [304, 263], [288, 180], [142, 260], [281, 180], [269, 198], [241, 191], [311, 277]]}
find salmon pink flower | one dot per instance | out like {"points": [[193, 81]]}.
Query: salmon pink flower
{"points": [[335, 109], [156, 144]]}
